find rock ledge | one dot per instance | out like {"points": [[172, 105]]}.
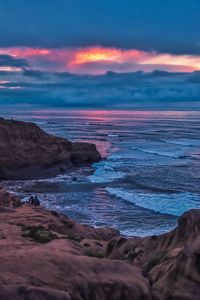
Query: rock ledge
{"points": [[27, 152]]}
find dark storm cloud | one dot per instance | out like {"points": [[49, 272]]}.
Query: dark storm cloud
{"points": [[9, 61], [35, 73], [157, 89], [164, 26]]}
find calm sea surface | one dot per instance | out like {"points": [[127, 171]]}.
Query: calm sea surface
{"points": [[149, 176]]}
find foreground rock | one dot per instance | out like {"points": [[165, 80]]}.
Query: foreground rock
{"points": [[46, 255], [171, 261], [28, 152], [8, 200]]}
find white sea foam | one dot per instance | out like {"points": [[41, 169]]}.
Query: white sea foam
{"points": [[173, 204], [161, 153], [101, 176], [105, 173], [184, 142]]}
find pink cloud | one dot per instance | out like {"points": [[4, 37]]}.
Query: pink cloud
{"points": [[98, 60]]}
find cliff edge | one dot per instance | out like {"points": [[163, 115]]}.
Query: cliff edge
{"points": [[45, 255], [27, 152]]}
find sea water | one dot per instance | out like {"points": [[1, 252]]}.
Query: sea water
{"points": [[149, 175]]}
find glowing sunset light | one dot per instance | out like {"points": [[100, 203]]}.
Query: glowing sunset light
{"points": [[99, 60], [9, 69], [177, 60], [96, 54], [100, 54]]}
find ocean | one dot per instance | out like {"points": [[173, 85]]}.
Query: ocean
{"points": [[149, 175]]}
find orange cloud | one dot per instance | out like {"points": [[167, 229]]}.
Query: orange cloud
{"points": [[100, 54], [97, 60], [144, 60], [96, 54]]}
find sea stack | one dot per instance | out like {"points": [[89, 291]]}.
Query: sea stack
{"points": [[27, 152]]}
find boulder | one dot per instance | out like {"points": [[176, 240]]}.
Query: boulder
{"points": [[8, 200]]}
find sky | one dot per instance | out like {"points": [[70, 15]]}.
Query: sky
{"points": [[100, 53]]}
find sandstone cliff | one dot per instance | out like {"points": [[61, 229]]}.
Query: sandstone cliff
{"points": [[45, 255], [171, 261], [28, 152]]}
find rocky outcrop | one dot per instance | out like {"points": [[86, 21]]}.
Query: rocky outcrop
{"points": [[171, 261], [46, 255], [28, 152], [8, 200]]}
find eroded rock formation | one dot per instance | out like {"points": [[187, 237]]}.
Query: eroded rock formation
{"points": [[46, 255], [26, 151], [171, 261]]}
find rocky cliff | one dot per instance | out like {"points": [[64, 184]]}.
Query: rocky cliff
{"points": [[46, 255], [171, 261], [28, 152]]}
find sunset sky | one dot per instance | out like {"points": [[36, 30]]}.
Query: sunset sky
{"points": [[96, 53]]}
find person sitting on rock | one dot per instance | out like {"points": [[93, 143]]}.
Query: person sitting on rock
{"points": [[36, 201], [30, 200]]}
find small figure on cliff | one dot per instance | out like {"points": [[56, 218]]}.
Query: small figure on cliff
{"points": [[36, 201], [30, 200]]}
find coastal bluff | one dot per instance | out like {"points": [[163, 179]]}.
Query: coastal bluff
{"points": [[27, 152], [46, 255]]}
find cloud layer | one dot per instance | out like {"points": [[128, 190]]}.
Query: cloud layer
{"points": [[96, 60], [101, 53], [98, 77], [158, 89]]}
